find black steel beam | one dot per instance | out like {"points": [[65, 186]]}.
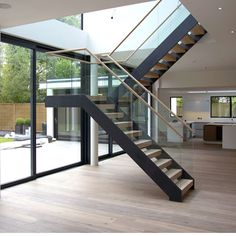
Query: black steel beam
{"points": [[126, 144]]}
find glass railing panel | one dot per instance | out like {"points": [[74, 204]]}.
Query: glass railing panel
{"points": [[148, 42], [157, 37], [133, 109], [150, 22]]}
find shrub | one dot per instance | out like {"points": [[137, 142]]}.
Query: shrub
{"points": [[27, 122], [20, 121]]}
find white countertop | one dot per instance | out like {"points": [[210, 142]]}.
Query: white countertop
{"points": [[222, 124]]}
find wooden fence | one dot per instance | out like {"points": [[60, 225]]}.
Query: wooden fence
{"points": [[10, 112]]}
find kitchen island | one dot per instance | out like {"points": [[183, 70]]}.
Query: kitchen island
{"points": [[220, 133]]}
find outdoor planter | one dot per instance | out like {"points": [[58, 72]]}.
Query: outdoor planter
{"points": [[19, 126], [26, 125]]}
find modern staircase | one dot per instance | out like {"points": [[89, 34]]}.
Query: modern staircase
{"points": [[151, 157], [161, 58], [115, 112], [172, 56]]}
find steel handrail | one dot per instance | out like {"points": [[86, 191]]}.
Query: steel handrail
{"points": [[127, 86]]}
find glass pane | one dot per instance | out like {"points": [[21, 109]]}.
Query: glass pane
{"points": [[103, 142], [220, 106], [58, 130], [15, 113], [116, 148], [74, 20], [233, 106], [176, 106], [162, 21]]}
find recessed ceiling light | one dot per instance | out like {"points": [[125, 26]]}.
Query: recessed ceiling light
{"points": [[4, 6], [219, 8], [232, 31]]}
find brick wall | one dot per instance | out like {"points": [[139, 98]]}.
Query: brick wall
{"points": [[10, 112]]}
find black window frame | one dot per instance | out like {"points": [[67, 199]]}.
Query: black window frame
{"points": [[230, 109], [85, 131]]}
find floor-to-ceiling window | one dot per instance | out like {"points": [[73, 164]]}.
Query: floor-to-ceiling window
{"points": [[36, 140], [15, 112], [59, 130]]}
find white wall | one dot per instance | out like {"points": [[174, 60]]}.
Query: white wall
{"points": [[51, 32], [199, 79], [195, 106]]}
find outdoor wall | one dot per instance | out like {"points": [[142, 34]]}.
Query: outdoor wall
{"points": [[10, 112]]}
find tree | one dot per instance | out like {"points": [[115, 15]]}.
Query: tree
{"points": [[72, 20], [15, 74]]}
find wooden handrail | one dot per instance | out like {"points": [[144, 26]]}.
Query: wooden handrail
{"points": [[126, 86], [149, 92], [135, 27]]}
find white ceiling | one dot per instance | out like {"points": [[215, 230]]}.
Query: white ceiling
{"points": [[217, 50], [30, 11]]}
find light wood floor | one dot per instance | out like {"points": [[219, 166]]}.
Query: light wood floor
{"points": [[118, 197]]}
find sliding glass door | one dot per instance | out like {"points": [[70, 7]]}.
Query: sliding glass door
{"points": [[36, 140], [59, 129], [15, 112]]}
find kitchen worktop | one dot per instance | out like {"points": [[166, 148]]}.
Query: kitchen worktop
{"points": [[223, 132]]}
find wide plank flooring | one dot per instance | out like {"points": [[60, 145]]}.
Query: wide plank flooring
{"points": [[117, 196]]}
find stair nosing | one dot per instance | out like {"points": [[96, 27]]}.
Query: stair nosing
{"points": [[187, 185], [152, 152], [164, 164], [177, 173]]}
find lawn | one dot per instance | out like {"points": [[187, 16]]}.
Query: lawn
{"points": [[5, 140]]}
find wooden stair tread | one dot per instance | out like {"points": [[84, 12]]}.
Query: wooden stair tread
{"points": [[124, 124], [184, 185], [160, 66], [133, 133], [145, 83], [152, 152], [151, 75], [106, 106], [178, 49], [174, 173], [169, 57], [197, 30], [115, 114], [142, 143], [98, 98], [162, 163], [124, 99], [187, 40]]}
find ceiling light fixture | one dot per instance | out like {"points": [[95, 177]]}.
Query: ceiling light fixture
{"points": [[219, 8], [4, 5], [232, 31]]}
